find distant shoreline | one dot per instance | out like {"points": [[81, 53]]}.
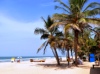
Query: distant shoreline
{"points": [[23, 58]]}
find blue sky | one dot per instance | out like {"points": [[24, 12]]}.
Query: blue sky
{"points": [[18, 19]]}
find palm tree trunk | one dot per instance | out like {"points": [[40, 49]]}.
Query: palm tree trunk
{"points": [[75, 45], [53, 52], [57, 57], [68, 56], [72, 53]]}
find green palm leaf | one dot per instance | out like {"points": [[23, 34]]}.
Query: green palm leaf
{"points": [[40, 31], [58, 7], [95, 21], [44, 36], [66, 28], [41, 46], [92, 5], [63, 4], [93, 12], [45, 47]]}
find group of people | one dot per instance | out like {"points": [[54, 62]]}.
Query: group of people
{"points": [[13, 60]]}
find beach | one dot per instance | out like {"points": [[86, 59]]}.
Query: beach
{"points": [[47, 67]]}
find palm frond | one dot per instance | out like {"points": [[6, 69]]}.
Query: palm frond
{"points": [[63, 4], [45, 47], [44, 36], [92, 5], [93, 12], [75, 27], [54, 30], [58, 34], [82, 3], [48, 23], [44, 20], [97, 29], [87, 27], [82, 20], [77, 5], [59, 17], [95, 21], [97, 33], [41, 46], [74, 6], [58, 7], [57, 24], [40, 31], [53, 44], [66, 28]]}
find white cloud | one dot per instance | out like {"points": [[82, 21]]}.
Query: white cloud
{"points": [[14, 25], [14, 28]]}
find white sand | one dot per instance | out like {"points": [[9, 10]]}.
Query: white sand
{"points": [[47, 67]]}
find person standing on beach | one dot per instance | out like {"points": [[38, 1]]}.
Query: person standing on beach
{"points": [[12, 60]]}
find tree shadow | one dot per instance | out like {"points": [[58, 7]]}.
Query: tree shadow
{"points": [[55, 66], [83, 66], [95, 70]]}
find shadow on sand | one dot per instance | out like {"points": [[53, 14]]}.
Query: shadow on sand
{"points": [[84, 67], [55, 66], [95, 70]]}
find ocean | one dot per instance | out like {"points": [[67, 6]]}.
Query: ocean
{"points": [[23, 58]]}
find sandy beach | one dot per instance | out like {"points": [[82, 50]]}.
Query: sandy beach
{"points": [[47, 67]]}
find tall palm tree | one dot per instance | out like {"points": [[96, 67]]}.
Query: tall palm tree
{"points": [[77, 15], [49, 36]]}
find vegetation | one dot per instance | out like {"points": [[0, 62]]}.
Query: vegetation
{"points": [[76, 19]]}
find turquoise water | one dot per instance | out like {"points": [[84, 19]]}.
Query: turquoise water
{"points": [[23, 58]]}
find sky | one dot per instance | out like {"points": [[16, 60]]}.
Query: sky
{"points": [[18, 19]]}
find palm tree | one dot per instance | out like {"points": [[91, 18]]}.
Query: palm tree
{"points": [[65, 44], [97, 35], [49, 36], [53, 41], [69, 45], [76, 17]]}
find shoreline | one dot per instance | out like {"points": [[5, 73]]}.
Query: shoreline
{"points": [[23, 58]]}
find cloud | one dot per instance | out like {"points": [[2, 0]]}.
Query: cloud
{"points": [[14, 25], [10, 27]]}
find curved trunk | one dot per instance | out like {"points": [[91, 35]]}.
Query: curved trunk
{"points": [[75, 45], [56, 56]]}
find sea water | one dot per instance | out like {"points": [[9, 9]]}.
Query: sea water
{"points": [[23, 58]]}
